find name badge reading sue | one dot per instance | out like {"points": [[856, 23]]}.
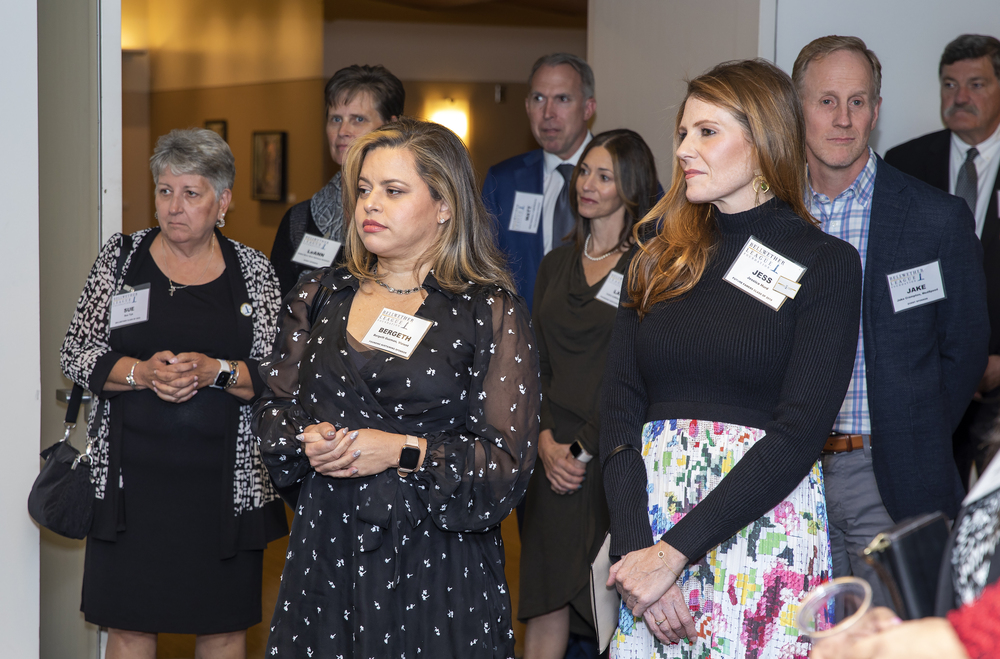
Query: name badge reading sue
{"points": [[527, 213], [316, 252], [611, 291], [763, 273], [130, 307], [915, 287], [396, 333]]}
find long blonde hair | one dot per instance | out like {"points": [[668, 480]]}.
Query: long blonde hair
{"points": [[465, 252], [676, 237]]}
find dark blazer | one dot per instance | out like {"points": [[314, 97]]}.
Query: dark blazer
{"points": [[927, 158], [922, 364], [522, 173]]}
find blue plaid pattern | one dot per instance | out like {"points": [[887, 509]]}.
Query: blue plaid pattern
{"points": [[847, 217]]}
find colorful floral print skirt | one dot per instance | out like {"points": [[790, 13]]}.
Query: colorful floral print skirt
{"points": [[743, 594]]}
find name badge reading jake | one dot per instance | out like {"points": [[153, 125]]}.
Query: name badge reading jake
{"points": [[611, 291], [915, 287], [763, 273], [527, 213], [316, 252], [130, 307], [396, 333]]}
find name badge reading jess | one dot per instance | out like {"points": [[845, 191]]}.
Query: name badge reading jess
{"points": [[611, 291], [130, 307], [527, 213], [316, 252], [915, 287], [763, 273], [396, 333]]}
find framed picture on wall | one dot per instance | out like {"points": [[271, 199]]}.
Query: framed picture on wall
{"points": [[219, 127], [269, 165]]}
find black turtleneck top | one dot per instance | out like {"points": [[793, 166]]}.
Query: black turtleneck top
{"points": [[718, 354]]}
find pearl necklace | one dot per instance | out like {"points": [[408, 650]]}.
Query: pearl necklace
{"points": [[405, 291], [586, 248]]}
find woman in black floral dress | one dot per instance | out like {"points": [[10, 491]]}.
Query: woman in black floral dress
{"points": [[407, 465]]}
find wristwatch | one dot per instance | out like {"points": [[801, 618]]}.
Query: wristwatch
{"points": [[580, 453], [409, 457], [228, 374]]}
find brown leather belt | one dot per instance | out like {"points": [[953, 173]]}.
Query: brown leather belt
{"points": [[838, 443]]}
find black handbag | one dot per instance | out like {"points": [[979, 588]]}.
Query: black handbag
{"points": [[908, 558], [62, 497]]}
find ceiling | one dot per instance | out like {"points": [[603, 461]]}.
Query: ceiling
{"points": [[521, 13]]}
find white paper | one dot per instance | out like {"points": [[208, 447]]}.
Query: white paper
{"points": [[316, 252], [915, 287], [764, 274], [527, 213], [130, 308], [611, 291], [396, 333]]}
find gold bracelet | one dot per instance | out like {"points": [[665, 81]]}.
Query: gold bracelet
{"points": [[663, 558]]}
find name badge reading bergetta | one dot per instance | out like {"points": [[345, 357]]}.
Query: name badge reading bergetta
{"points": [[130, 307], [396, 333], [763, 273], [527, 212], [915, 287], [316, 252]]}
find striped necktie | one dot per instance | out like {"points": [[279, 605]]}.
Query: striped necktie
{"points": [[967, 186]]}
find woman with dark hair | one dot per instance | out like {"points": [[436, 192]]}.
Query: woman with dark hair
{"points": [[403, 399], [727, 366], [576, 297]]}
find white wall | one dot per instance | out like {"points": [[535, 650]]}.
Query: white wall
{"points": [[908, 37], [452, 53], [21, 387]]}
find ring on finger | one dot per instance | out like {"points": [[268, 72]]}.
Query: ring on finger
{"points": [[659, 622]]}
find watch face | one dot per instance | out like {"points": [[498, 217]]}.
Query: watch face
{"points": [[409, 458], [575, 449], [222, 379]]}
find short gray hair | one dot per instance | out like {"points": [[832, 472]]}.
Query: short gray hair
{"points": [[972, 46], [195, 151], [579, 65]]}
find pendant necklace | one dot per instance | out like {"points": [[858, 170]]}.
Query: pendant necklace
{"points": [[405, 291], [176, 287]]}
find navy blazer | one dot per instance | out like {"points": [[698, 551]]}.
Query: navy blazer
{"points": [[928, 158], [522, 173], [922, 364]]}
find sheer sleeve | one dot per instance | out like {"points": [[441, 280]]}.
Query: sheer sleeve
{"points": [[478, 474]]}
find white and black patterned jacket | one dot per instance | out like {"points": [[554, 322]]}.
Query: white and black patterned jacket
{"points": [[88, 341]]}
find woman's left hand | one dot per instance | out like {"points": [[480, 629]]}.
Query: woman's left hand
{"points": [[375, 451], [669, 618], [642, 577], [188, 369]]}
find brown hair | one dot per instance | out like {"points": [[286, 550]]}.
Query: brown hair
{"points": [[465, 252], [386, 90], [635, 181], [676, 237], [820, 48]]}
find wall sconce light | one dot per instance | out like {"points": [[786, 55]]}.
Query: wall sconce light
{"points": [[450, 113]]}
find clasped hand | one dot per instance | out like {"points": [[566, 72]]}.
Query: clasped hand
{"points": [[648, 588], [565, 473], [345, 453], [176, 378]]}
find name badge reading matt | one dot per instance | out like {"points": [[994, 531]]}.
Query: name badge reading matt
{"points": [[915, 287], [316, 252], [527, 213], [611, 291], [763, 273], [130, 307], [396, 333]]}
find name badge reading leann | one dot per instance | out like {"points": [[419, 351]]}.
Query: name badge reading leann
{"points": [[316, 252], [396, 333], [527, 212], [915, 287], [763, 273], [130, 307], [611, 291]]}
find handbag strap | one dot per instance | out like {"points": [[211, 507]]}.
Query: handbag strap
{"points": [[73, 405]]}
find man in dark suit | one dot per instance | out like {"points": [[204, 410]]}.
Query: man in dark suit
{"points": [[963, 159], [529, 193], [923, 335]]}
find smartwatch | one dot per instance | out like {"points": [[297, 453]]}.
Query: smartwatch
{"points": [[409, 457], [580, 453], [226, 370]]}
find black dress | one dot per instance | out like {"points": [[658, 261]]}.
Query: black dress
{"points": [[165, 572], [561, 534], [384, 566]]}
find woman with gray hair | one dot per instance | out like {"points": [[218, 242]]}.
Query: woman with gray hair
{"points": [[168, 333]]}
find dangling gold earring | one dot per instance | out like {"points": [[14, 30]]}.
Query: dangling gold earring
{"points": [[759, 184]]}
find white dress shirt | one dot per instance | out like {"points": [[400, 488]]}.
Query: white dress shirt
{"points": [[987, 163], [552, 186]]}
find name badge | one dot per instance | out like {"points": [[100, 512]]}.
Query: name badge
{"points": [[130, 307], [915, 287], [527, 213], [396, 333], [611, 291], [316, 252], [764, 274]]}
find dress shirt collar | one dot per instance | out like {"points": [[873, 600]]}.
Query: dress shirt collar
{"points": [[552, 160], [988, 149], [861, 189]]}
